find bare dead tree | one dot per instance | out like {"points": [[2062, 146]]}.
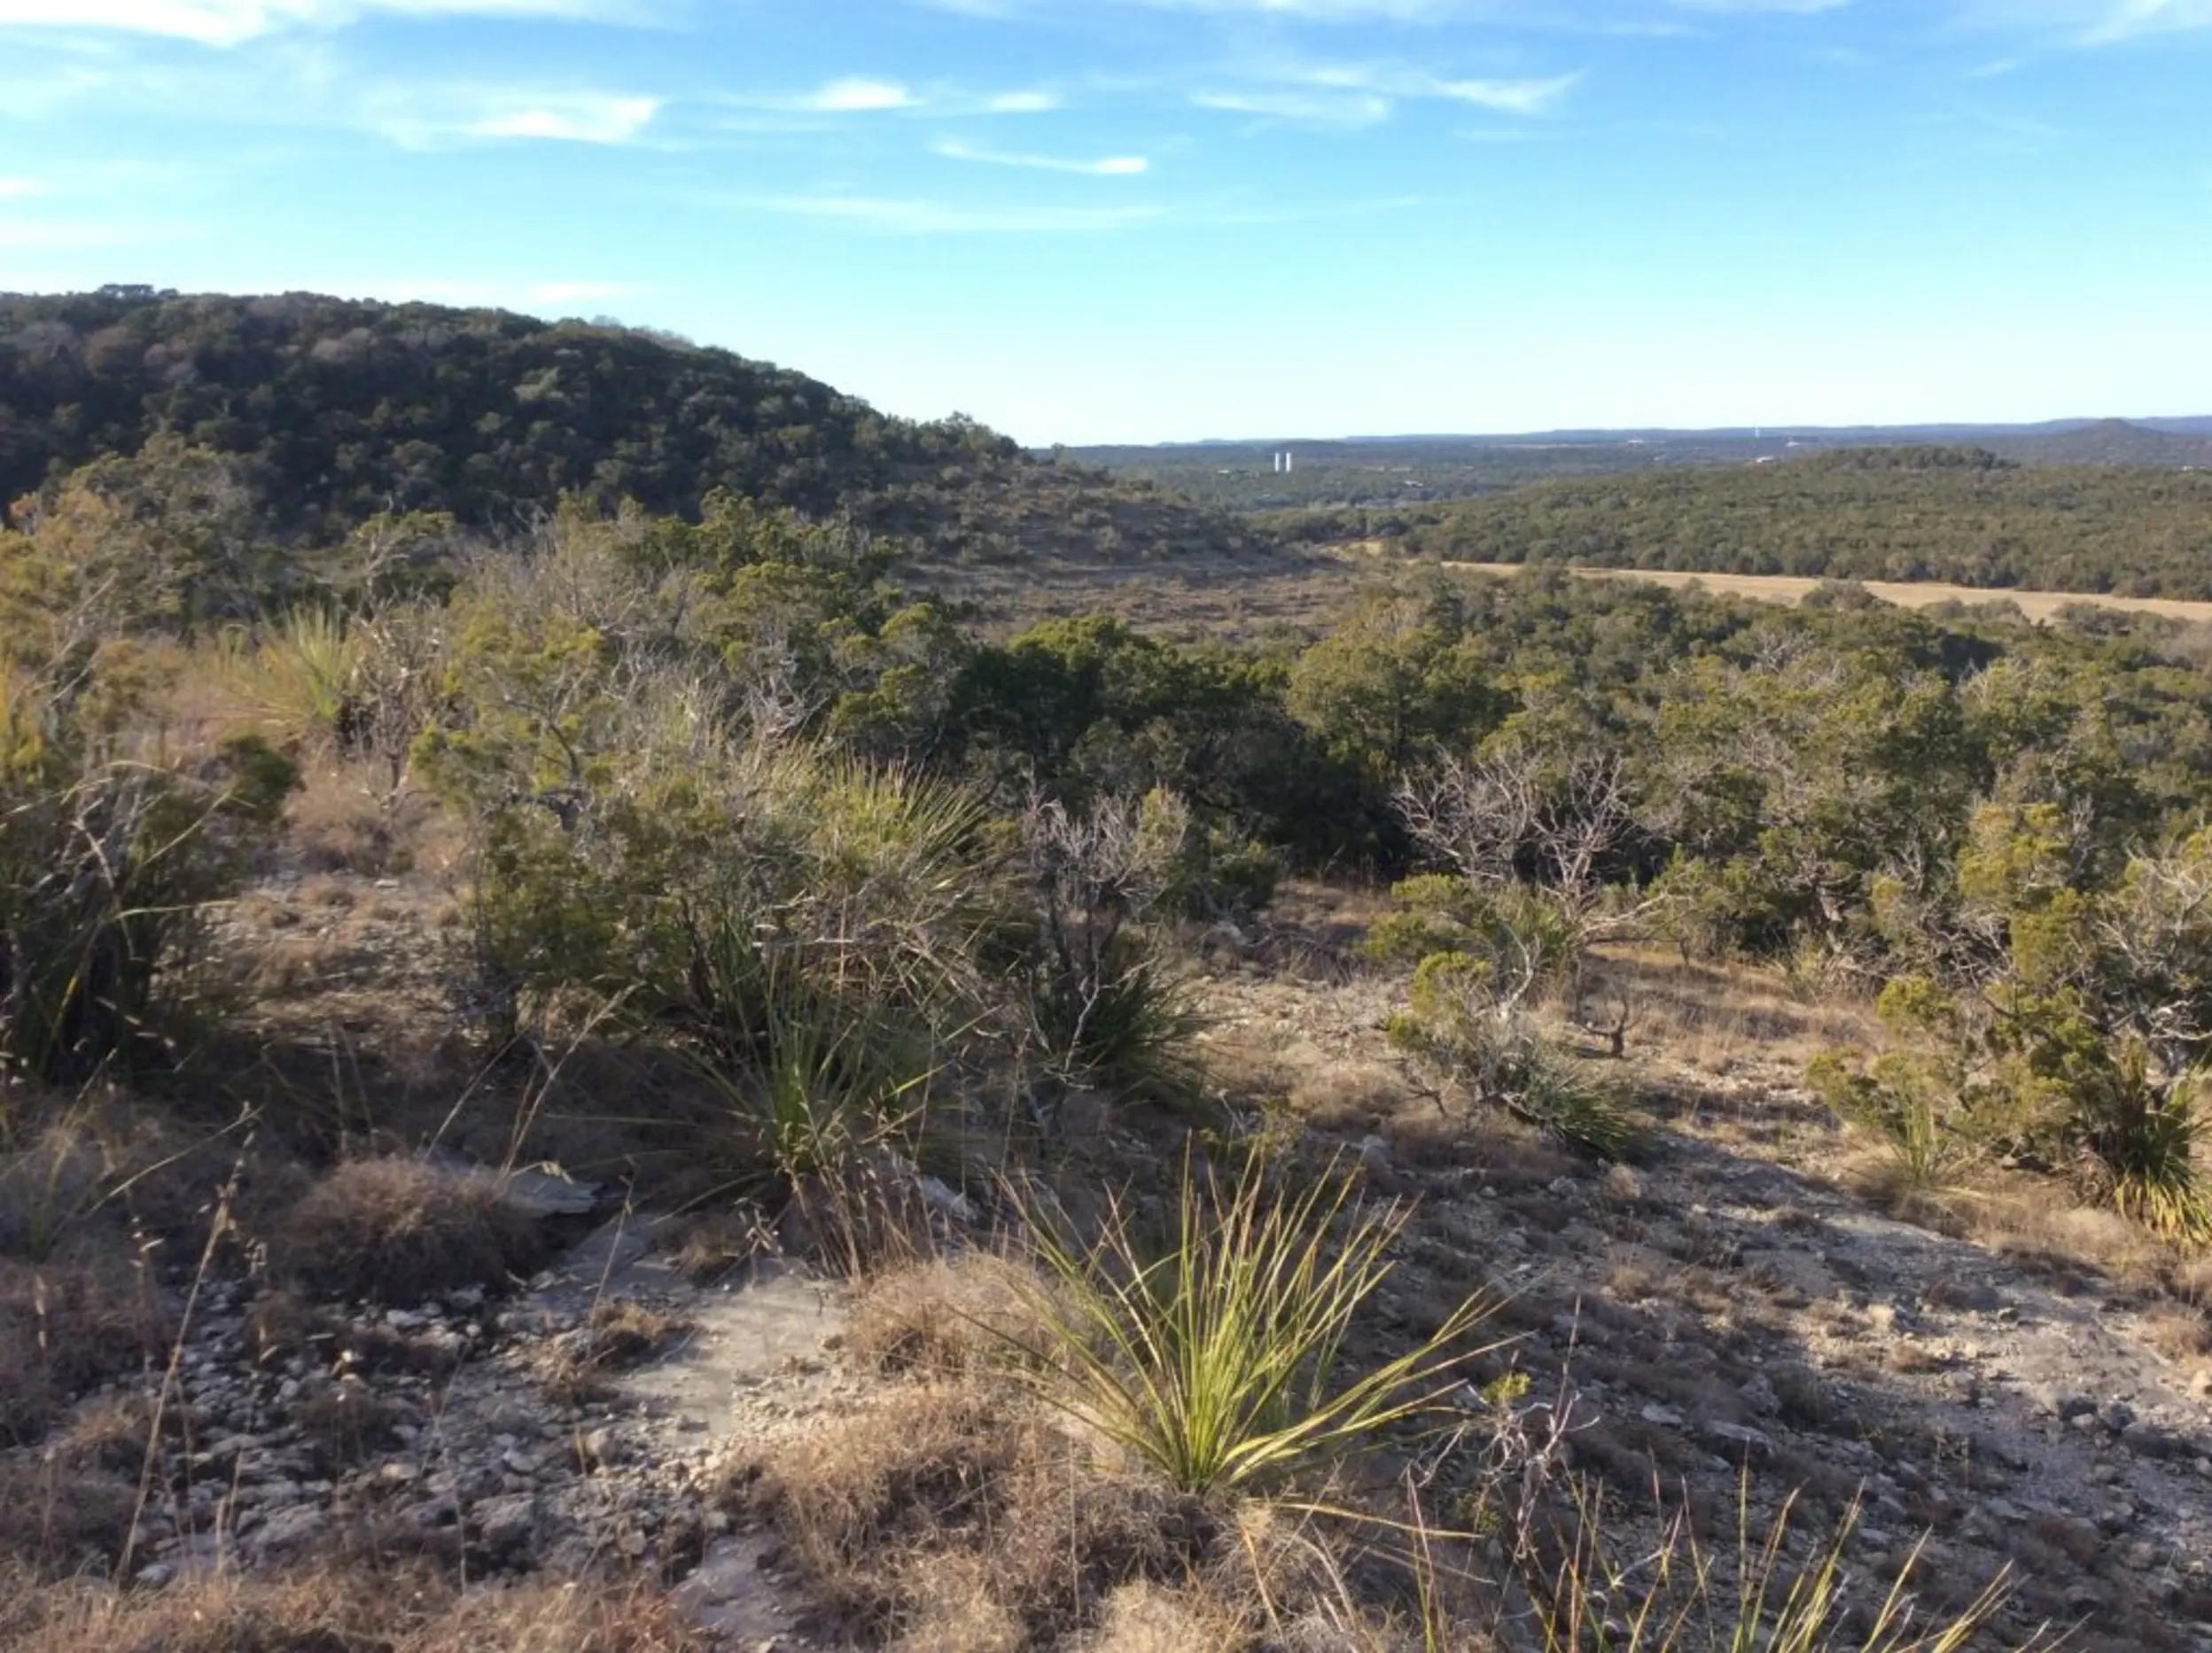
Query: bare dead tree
{"points": [[1503, 820], [1499, 819]]}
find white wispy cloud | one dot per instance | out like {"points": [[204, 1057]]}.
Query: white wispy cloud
{"points": [[1309, 108], [434, 117], [870, 94], [233, 22], [909, 216], [1794, 8], [856, 94], [1361, 94], [1637, 16], [1105, 167], [578, 118], [1510, 98], [18, 189]]}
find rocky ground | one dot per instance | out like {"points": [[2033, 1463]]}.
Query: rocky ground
{"points": [[1731, 1312], [1731, 1318]]}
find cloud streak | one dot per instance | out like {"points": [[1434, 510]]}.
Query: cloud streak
{"points": [[234, 22], [1105, 167], [856, 94], [582, 119], [1363, 94]]}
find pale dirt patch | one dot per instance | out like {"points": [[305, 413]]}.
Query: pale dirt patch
{"points": [[1791, 589]]}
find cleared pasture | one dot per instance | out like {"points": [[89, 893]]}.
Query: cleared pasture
{"points": [[1792, 589]]}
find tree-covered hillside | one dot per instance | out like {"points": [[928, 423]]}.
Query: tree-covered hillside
{"points": [[337, 410], [1954, 514]]}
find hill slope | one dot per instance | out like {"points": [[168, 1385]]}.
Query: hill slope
{"points": [[1952, 514], [2110, 442], [340, 409]]}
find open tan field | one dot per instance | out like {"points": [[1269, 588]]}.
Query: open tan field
{"points": [[2037, 605]]}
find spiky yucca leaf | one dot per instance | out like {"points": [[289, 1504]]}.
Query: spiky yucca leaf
{"points": [[1221, 1364]]}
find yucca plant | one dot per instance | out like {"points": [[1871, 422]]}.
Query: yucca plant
{"points": [[296, 676], [1903, 1102], [1123, 1018], [1222, 1362], [815, 1076], [2145, 1135]]}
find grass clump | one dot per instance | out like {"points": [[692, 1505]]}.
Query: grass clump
{"points": [[402, 1230], [112, 846], [946, 1517], [807, 1074], [1106, 1004], [1679, 1595], [1222, 1363], [341, 1608]]}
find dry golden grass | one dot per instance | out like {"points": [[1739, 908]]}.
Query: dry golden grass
{"points": [[345, 818], [1722, 1020], [944, 1317], [339, 1609], [955, 1516], [1142, 1617], [401, 1231], [1794, 589], [60, 1516]]}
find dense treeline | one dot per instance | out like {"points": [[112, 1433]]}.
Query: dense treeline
{"points": [[334, 412], [1930, 513]]}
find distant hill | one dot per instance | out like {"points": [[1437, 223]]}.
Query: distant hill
{"points": [[1959, 514], [338, 408], [2110, 442], [1406, 469]]}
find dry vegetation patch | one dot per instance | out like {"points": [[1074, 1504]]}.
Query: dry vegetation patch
{"points": [[954, 1515], [402, 1230], [339, 1609]]}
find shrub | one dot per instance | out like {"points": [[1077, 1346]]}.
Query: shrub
{"points": [[1104, 1002], [2146, 1135], [109, 858], [1470, 1038], [805, 1078], [1518, 933]]}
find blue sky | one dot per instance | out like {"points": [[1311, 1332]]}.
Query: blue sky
{"points": [[1144, 220]]}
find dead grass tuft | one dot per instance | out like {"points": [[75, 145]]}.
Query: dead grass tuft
{"points": [[949, 1317], [60, 1516], [1141, 1617], [345, 817], [67, 1323], [958, 1517], [398, 1230], [339, 1610], [618, 1332]]}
